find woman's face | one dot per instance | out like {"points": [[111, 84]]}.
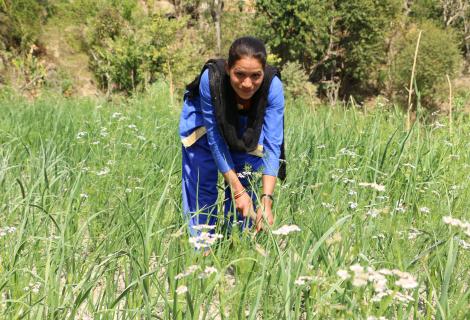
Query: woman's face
{"points": [[246, 76]]}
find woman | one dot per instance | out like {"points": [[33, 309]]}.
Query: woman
{"points": [[232, 119]]}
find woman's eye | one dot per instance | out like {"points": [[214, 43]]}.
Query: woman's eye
{"points": [[240, 74], [255, 77]]}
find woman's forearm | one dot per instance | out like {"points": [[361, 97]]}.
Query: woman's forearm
{"points": [[269, 182], [232, 179]]}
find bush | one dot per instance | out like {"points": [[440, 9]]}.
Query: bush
{"points": [[296, 84], [128, 56], [20, 23], [438, 56]]}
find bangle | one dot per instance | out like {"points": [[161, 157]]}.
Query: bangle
{"points": [[270, 196], [239, 194]]}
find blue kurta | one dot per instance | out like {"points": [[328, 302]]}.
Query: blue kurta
{"points": [[210, 154]]}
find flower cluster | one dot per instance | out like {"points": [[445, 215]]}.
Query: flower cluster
{"points": [[286, 229], [193, 268], [6, 230], [465, 226], [181, 290], [205, 240], [33, 287], [374, 186], [207, 272], [303, 280], [361, 276], [189, 271]]}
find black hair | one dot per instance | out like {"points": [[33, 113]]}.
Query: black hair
{"points": [[247, 47]]}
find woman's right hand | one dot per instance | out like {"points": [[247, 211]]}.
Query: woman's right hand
{"points": [[244, 205]]}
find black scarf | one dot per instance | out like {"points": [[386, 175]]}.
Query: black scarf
{"points": [[226, 111]]}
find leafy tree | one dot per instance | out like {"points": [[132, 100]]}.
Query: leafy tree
{"points": [[20, 23], [125, 56], [338, 41], [438, 56]]}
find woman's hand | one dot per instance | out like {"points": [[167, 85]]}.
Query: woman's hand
{"points": [[266, 207], [244, 205]]}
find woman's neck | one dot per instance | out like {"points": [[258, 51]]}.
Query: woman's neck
{"points": [[243, 104]]}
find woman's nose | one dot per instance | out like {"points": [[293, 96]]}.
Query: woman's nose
{"points": [[247, 82]]}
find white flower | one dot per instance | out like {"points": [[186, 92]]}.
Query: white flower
{"points": [[385, 272], [373, 212], [103, 171], [207, 272], [189, 271], [374, 185], [203, 227], [424, 210], [302, 280], [128, 190], [356, 268], [181, 290], [286, 229], [322, 146], [464, 244], [399, 207], [407, 283], [83, 196], [104, 132], [413, 233], [346, 152], [116, 115], [82, 134], [409, 165], [6, 230], [343, 274], [95, 143], [352, 192], [352, 205], [141, 137], [359, 280], [204, 240], [132, 126]]}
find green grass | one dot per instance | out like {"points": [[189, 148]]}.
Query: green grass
{"points": [[99, 232]]}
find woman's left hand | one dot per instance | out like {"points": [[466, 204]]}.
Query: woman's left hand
{"points": [[259, 217]]}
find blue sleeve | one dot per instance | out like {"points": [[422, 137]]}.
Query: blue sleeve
{"points": [[217, 144], [273, 128]]}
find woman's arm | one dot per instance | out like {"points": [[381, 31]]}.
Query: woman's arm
{"points": [[220, 150], [273, 133]]}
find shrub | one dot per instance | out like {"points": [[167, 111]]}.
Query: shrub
{"points": [[296, 84], [438, 56], [127, 56]]}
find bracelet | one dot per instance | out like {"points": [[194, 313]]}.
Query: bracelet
{"points": [[239, 194], [270, 196]]}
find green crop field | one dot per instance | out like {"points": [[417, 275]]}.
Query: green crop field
{"points": [[91, 222]]}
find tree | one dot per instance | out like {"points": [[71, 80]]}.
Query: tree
{"points": [[337, 42]]}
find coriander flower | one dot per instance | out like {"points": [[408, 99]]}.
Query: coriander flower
{"points": [[424, 210], [302, 280], [103, 171], [207, 272], [407, 283], [286, 229], [82, 134], [200, 227], [374, 185], [343, 274], [189, 271], [181, 290]]}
